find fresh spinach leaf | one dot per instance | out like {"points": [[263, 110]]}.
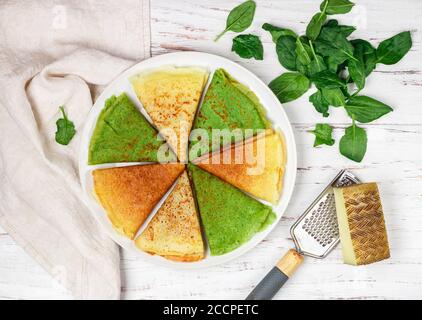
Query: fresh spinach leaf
{"points": [[331, 64], [391, 51], [303, 69], [306, 41], [286, 52], [65, 129], [320, 104], [366, 53], [289, 86], [314, 27], [240, 18], [277, 32], [357, 72], [334, 97], [336, 6], [353, 143], [323, 134], [362, 47], [345, 92], [317, 65], [302, 52], [248, 46], [343, 29], [334, 44], [365, 109], [327, 79], [331, 23]]}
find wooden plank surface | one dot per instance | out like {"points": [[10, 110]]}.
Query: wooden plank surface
{"points": [[394, 160]]}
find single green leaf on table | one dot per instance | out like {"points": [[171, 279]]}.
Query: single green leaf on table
{"points": [[343, 29], [334, 97], [321, 105], [336, 6], [303, 52], [323, 134], [240, 18], [289, 86], [391, 51], [65, 129], [366, 53], [314, 27], [248, 46], [365, 109], [277, 32], [286, 52], [327, 79], [353, 143], [357, 72]]}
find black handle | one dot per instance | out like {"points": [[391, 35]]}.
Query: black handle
{"points": [[269, 286]]}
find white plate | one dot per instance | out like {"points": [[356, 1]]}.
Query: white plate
{"points": [[275, 113]]}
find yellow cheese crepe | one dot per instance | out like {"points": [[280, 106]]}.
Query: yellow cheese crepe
{"points": [[128, 194], [255, 166], [175, 232], [171, 96]]}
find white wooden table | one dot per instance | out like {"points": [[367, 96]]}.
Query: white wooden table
{"points": [[394, 160]]}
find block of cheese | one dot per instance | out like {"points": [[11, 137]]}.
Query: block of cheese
{"points": [[363, 235]]}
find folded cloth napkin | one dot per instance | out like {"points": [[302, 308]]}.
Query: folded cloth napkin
{"points": [[56, 53]]}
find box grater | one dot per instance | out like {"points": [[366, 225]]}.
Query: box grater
{"points": [[315, 234]]}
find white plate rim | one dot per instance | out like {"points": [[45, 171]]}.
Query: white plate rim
{"points": [[207, 60]]}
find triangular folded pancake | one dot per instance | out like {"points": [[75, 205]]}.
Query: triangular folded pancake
{"points": [[229, 216], [170, 96], [175, 232], [122, 134], [228, 105], [255, 166], [128, 194]]}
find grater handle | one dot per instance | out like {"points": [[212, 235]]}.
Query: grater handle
{"points": [[277, 277]]}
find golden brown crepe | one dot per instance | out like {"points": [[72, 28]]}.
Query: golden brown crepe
{"points": [[175, 232], [255, 166], [128, 194], [171, 96]]}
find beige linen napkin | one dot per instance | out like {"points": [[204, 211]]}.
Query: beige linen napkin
{"points": [[56, 53]]}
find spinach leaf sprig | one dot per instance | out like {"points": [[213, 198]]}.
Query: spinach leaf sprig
{"points": [[65, 129], [325, 57], [239, 18]]}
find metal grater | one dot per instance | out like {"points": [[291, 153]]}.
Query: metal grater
{"points": [[315, 233]]}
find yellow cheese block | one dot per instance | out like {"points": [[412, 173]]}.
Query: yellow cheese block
{"points": [[361, 223]]}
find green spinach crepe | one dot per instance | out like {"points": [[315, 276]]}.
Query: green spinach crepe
{"points": [[227, 105], [122, 134], [229, 216]]}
